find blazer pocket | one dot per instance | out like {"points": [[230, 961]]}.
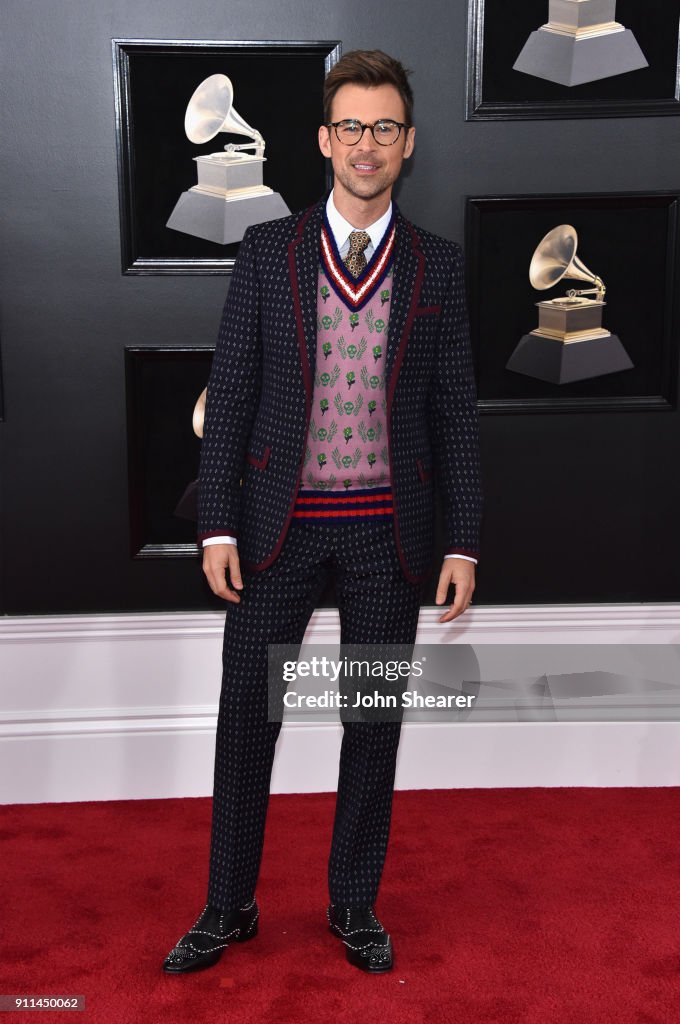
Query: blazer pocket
{"points": [[258, 456], [424, 473]]}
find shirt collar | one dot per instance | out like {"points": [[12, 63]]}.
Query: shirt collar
{"points": [[342, 228]]}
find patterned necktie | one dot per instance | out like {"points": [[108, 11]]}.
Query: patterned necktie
{"points": [[355, 261]]}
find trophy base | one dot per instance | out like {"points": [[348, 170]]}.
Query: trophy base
{"points": [[558, 362], [224, 218], [227, 172], [569, 61]]}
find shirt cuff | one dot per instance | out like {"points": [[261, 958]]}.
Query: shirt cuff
{"points": [[467, 558], [218, 540]]}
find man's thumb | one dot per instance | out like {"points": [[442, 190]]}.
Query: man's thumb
{"points": [[235, 577]]}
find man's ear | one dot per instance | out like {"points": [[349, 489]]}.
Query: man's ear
{"points": [[325, 141], [410, 142]]}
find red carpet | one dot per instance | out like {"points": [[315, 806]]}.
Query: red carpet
{"points": [[537, 906]]}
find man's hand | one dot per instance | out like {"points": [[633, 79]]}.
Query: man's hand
{"points": [[461, 573], [218, 560]]}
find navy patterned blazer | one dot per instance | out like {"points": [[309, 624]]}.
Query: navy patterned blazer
{"points": [[260, 394]]}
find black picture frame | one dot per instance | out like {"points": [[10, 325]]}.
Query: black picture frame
{"points": [[631, 241], [497, 31], [162, 386], [277, 89], [2, 391]]}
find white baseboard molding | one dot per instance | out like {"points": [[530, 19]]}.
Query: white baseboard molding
{"points": [[104, 707]]}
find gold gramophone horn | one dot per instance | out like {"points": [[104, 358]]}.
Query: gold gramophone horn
{"points": [[555, 257], [199, 413]]}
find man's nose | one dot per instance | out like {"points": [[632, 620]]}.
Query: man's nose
{"points": [[366, 141]]}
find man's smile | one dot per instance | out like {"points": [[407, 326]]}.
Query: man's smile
{"points": [[365, 167]]}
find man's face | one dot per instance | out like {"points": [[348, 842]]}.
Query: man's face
{"points": [[366, 170]]}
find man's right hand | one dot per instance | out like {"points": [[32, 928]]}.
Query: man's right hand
{"points": [[219, 562]]}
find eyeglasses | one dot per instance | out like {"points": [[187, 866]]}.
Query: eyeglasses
{"points": [[349, 131]]}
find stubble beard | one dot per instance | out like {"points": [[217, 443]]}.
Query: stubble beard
{"points": [[364, 188]]}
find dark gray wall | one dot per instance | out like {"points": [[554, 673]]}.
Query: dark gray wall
{"points": [[579, 507]]}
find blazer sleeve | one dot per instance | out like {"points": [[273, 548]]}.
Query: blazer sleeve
{"points": [[454, 421], [234, 387]]}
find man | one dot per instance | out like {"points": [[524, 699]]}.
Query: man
{"points": [[340, 391]]}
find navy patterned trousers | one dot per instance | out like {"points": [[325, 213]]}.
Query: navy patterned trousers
{"points": [[377, 605]]}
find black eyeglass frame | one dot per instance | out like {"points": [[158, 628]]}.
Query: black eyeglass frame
{"points": [[354, 120]]}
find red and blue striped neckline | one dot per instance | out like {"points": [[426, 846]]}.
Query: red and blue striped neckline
{"points": [[356, 292]]}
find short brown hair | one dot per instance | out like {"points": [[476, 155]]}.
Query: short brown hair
{"points": [[368, 67]]}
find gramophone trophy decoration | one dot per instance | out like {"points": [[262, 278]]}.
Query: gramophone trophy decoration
{"points": [[581, 42], [229, 196], [570, 342], [187, 506], [199, 413]]}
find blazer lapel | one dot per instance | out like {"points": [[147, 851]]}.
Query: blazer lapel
{"points": [[409, 266], [303, 265]]}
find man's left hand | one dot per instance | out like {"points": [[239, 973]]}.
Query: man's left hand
{"points": [[460, 573]]}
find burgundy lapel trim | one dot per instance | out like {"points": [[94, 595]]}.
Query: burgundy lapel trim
{"points": [[404, 266], [417, 253]]}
